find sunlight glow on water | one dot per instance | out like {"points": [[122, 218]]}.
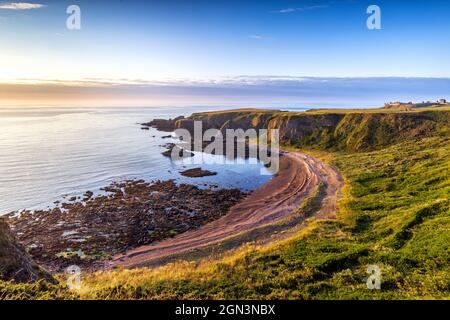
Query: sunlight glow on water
{"points": [[47, 154]]}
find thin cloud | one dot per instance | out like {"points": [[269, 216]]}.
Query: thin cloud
{"points": [[20, 6], [232, 81], [256, 37], [300, 9]]}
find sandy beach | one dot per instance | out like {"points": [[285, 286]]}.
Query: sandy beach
{"points": [[299, 178]]}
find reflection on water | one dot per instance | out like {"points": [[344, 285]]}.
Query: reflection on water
{"points": [[47, 153]]}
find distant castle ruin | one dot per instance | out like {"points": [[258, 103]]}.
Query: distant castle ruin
{"points": [[423, 104]]}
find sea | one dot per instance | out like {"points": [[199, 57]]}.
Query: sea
{"points": [[49, 154]]}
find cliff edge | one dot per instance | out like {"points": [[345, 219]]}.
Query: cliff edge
{"points": [[15, 263]]}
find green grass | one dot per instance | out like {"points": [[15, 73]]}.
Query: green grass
{"points": [[40, 290], [338, 130]]}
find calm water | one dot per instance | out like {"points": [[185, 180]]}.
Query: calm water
{"points": [[46, 154]]}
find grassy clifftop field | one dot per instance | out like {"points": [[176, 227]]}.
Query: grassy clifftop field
{"points": [[335, 130], [394, 213]]}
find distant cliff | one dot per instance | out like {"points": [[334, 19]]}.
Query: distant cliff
{"points": [[333, 129]]}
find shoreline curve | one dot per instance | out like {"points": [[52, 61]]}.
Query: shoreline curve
{"points": [[299, 177]]}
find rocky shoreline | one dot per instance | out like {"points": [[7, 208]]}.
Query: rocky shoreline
{"points": [[163, 124], [87, 232], [184, 148]]}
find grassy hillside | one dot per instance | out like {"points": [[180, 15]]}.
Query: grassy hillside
{"points": [[15, 263], [338, 130], [395, 213]]}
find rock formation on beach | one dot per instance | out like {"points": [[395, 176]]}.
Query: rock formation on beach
{"points": [[172, 147], [163, 124], [197, 173]]}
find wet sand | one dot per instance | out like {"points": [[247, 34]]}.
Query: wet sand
{"points": [[299, 177]]}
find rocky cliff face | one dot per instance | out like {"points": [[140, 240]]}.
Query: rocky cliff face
{"points": [[15, 262], [337, 131], [163, 124]]}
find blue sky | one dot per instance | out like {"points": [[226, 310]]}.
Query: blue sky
{"points": [[212, 40]]}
